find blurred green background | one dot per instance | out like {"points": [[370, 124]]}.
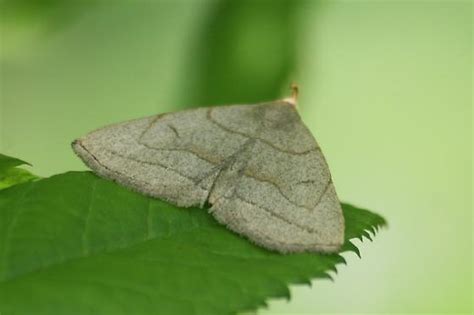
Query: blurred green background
{"points": [[386, 88]]}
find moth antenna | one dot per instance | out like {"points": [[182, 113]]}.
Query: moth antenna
{"points": [[293, 99]]}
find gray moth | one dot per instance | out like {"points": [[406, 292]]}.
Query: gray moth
{"points": [[257, 166]]}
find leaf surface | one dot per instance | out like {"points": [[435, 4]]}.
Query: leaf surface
{"points": [[76, 243]]}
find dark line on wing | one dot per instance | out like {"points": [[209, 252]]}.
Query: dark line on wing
{"points": [[150, 163], [324, 192], [209, 117], [195, 153], [152, 122], [309, 181], [276, 215], [173, 128], [265, 180], [95, 159]]}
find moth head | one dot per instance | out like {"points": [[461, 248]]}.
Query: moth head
{"points": [[293, 99]]}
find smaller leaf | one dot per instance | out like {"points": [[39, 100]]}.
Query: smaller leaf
{"points": [[10, 174], [7, 162]]}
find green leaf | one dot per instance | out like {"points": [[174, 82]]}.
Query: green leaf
{"points": [[75, 243], [11, 175], [249, 42], [7, 162]]}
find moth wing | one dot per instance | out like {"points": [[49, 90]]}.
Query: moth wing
{"points": [[279, 193], [173, 156]]}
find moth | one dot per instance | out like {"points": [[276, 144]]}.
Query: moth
{"points": [[257, 167]]}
